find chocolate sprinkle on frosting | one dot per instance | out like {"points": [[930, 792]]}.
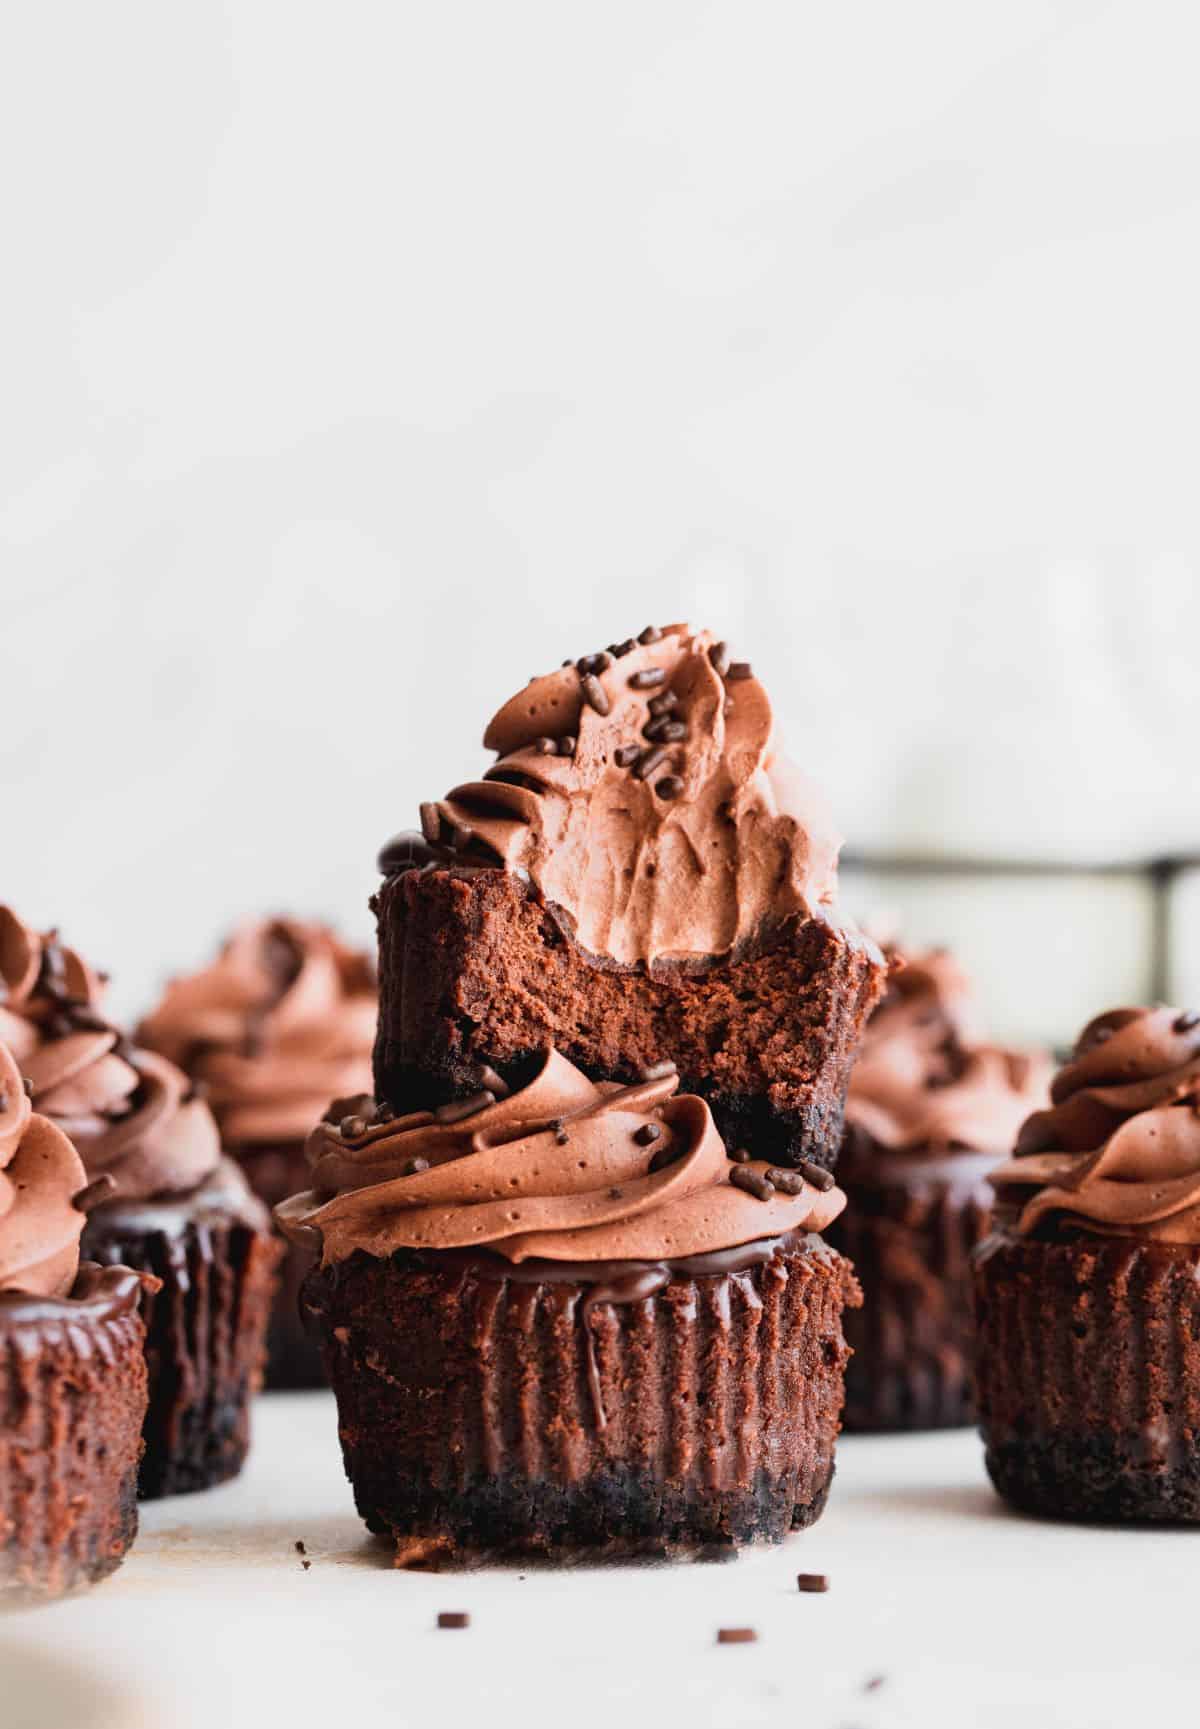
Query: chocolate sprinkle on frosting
{"points": [[817, 1175], [650, 634], [754, 1183], [459, 1109], [670, 786], [649, 761], [594, 693], [664, 702], [431, 822], [647, 1134], [626, 754], [649, 678], [566, 744]]}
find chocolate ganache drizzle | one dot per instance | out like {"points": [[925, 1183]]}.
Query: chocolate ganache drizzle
{"points": [[280, 1023], [40, 1175], [641, 792], [923, 1079], [593, 1177], [1118, 1151], [130, 1114]]}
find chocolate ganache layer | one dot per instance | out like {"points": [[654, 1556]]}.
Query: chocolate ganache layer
{"points": [[925, 1081], [642, 794], [280, 1023], [131, 1115], [607, 1180], [1118, 1151]]}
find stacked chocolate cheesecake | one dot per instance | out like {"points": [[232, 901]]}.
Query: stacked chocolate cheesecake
{"points": [[570, 1288]]}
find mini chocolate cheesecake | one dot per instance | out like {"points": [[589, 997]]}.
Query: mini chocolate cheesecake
{"points": [[639, 876], [72, 1369], [932, 1106], [565, 1322], [1088, 1291], [279, 1024], [161, 1201]]}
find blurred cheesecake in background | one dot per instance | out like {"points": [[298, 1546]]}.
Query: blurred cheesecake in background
{"points": [[932, 1107]]}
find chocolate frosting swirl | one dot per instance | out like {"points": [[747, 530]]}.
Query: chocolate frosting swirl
{"points": [[1118, 1151], [924, 1079], [642, 793], [129, 1113], [40, 1173], [280, 1023], [564, 1170]]}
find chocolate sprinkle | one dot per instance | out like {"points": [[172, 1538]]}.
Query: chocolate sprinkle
{"points": [[817, 1175], [753, 1182], [351, 1127], [739, 669], [649, 761], [619, 650], [658, 1071], [813, 1581], [736, 1636], [787, 1182], [459, 1109], [650, 634], [299, 1545], [414, 1167], [594, 693], [670, 786], [648, 678], [431, 823], [545, 746], [100, 1189], [647, 1134], [664, 703], [566, 744], [718, 654], [665, 729], [593, 663], [494, 1083], [740, 1156], [453, 1618], [626, 754]]}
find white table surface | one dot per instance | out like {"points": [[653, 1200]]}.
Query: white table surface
{"points": [[967, 1612]]}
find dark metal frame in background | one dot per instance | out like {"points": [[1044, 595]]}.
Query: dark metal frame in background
{"points": [[1160, 874]]}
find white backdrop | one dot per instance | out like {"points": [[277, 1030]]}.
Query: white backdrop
{"points": [[359, 361]]}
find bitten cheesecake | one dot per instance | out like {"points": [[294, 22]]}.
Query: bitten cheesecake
{"points": [[639, 876]]}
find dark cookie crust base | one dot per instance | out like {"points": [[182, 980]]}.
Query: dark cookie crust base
{"points": [[205, 1341], [275, 1172], [1089, 1376], [911, 1243], [72, 1401], [469, 1423], [474, 971]]}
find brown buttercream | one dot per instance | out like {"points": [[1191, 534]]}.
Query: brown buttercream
{"points": [[280, 1023], [691, 855], [923, 1079], [130, 1113], [557, 1171], [1118, 1151], [40, 1173]]}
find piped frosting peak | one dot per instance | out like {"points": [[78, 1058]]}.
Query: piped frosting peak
{"points": [[1118, 1151], [642, 792]]}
